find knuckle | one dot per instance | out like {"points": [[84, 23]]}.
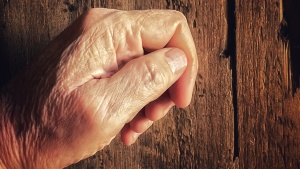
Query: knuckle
{"points": [[154, 77], [91, 13], [97, 14], [179, 16]]}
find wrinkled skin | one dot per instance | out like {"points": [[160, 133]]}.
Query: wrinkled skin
{"points": [[110, 71]]}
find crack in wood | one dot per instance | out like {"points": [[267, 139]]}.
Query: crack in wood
{"points": [[230, 51], [289, 34]]}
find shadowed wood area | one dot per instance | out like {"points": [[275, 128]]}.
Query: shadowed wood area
{"points": [[245, 112]]}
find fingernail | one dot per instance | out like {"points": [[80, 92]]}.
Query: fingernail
{"points": [[176, 59]]}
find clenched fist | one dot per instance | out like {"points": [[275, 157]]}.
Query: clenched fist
{"points": [[110, 71]]}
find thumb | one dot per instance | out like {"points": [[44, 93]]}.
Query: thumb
{"points": [[143, 80]]}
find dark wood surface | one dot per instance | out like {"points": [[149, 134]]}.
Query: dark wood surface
{"points": [[267, 68], [246, 107]]}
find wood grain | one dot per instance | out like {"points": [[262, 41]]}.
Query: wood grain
{"points": [[245, 110], [267, 112]]}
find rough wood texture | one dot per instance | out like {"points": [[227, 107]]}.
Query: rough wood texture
{"points": [[267, 70], [245, 111]]}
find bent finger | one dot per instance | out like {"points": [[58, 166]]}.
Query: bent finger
{"points": [[158, 108], [140, 122]]}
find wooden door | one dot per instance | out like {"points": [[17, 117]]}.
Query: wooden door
{"points": [[246, 107]]}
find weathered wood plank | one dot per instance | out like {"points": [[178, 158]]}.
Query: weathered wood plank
{"points": [[267, 111], [200, 136]]}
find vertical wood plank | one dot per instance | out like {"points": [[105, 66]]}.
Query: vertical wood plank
{"points": [[200, 136], [267, 111]]}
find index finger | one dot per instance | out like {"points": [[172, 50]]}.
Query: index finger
{"points": [[170, 29], [148, 30]]}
